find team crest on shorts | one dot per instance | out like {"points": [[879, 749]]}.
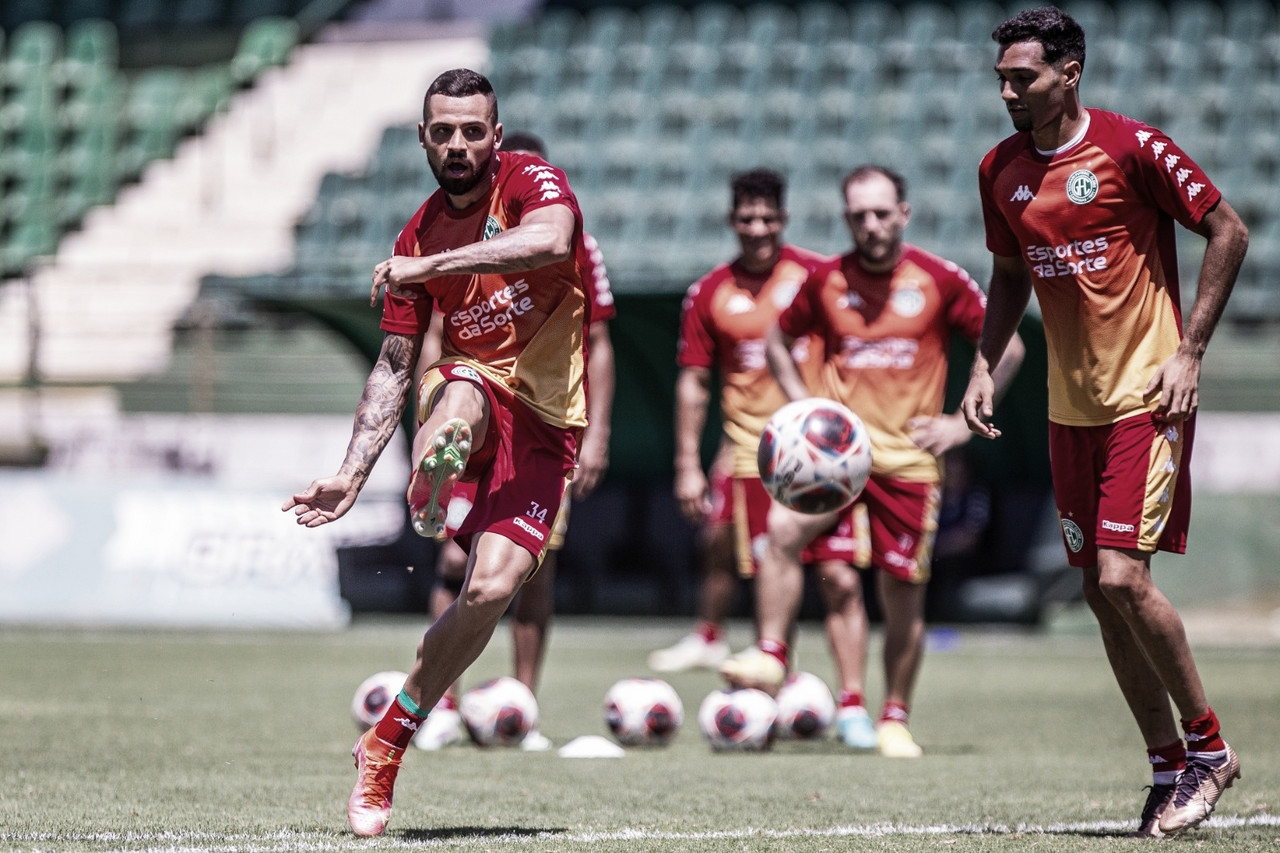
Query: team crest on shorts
{"points": [[491, 228], [1082, 186], [468, 373], [1073, 534]]}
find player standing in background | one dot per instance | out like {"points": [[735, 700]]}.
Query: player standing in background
{"points": [[1080, 205], [885, 313], [532, 609], [724, 318], [499, 250]]}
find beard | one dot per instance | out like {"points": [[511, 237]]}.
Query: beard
{"points": [[456, 184]]}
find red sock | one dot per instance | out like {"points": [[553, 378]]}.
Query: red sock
{"points": [[775, 649], [894, 712], [709, 631], [1202, 733], [397, 726], [849, 699], [1167, 762]]}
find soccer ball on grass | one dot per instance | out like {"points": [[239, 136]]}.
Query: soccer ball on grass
{"points": [[499, 712], [374, 695], [806, 708], [740, 719], [814, 456], [643, 711]]}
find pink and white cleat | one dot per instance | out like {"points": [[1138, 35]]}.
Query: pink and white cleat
{"points": [[377, 763]]}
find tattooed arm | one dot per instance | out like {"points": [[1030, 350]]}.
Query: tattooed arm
{"points": [[385, 394]]}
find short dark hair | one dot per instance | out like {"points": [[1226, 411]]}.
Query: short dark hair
{"points": [[461, 83], [758, 183], [861, 173], [1060, 37], [520, 141]]}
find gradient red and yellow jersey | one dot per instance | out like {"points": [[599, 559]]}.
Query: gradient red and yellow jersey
{"points": [[524, 330], [597, 279], [725, 318], [1095, 225], [886, 337]]}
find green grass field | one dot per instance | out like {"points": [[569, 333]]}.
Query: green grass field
{"points": [[240, 742]]}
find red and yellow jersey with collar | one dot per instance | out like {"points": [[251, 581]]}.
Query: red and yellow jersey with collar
{"points": [[725, 318], [524, 330], [886, 336], [1095, 225]]}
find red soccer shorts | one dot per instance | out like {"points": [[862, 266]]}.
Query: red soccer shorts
{"points": [[1124, 485], [744, 503], [899, 520], [520, 472]]}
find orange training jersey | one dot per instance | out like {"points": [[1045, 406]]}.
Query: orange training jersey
{"points": [[725, 318], [1094, 224], [523, 329], [886, 337]]}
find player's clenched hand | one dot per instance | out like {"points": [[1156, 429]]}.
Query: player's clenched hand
{"points": [[325, 500], [692, 494], [938, 435], [1178, 381], [393, 274]]}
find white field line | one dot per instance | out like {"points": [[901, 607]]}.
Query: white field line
{"points": [[307, 842]]}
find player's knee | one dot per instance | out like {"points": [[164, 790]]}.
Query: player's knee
{"points": [[490, 587], [1120, 580]]}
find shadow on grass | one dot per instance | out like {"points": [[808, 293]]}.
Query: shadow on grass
{"points": [[445, 833]]}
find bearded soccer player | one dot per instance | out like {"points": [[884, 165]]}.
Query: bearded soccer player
{"points": [[498, 250], [723, 322], [885, 312], [1080, 205], [531, 611]]}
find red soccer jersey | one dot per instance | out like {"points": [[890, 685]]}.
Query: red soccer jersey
{"points": [[1095, 224], [524, 330], [597, 279], [886, 337], [725, 318]]}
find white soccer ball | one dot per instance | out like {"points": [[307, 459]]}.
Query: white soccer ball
{"points": [[814, 455], [806, 707], [499, 712], [643, 711], [374, 695], [739, 719]]}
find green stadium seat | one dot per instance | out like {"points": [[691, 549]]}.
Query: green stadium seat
{"points": [[264, 43], [33, 49], [714, 24], [91, 53], [31, 238]]}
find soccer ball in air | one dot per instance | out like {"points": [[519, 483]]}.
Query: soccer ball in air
{"points": [[643, 711], [739, 719], [805, 707], [374, 695], [499, 712], [814, 455]]}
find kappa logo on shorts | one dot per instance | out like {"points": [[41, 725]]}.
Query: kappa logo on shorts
{"points": [[1117, 526], [528, 528], [1073, 534], [1082, 186]]}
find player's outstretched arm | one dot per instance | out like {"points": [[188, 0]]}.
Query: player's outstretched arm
{"points": [[385, 393], [1007, 299], [1178, 379], [777, 350], [543, 237]]}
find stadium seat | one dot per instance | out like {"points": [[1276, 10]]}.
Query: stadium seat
{"points": [[32, 50], [265, 42]]}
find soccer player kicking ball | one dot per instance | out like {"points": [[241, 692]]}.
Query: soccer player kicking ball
{"points": [[498, 250], [1080, 204]]}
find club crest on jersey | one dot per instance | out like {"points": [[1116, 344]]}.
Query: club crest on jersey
{"points": [[491, 229], [907, 302], [1082, 186]]}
